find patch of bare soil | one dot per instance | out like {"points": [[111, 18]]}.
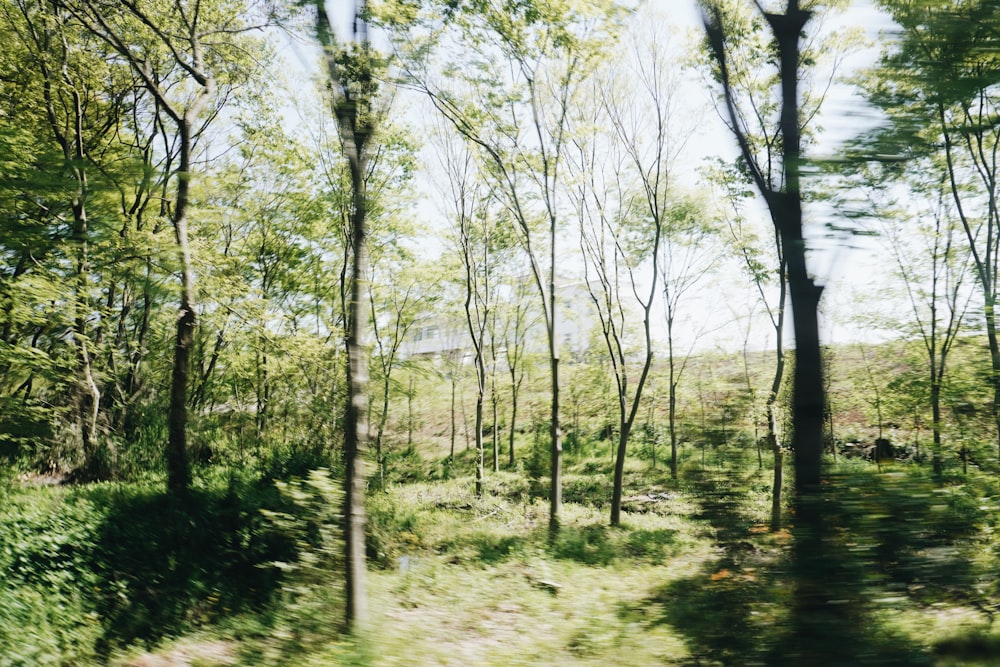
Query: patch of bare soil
{"points": [[188, 654]]}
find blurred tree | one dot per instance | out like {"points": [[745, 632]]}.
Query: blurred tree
{"points": [[816, 622], [753, 106], [352, 73], [937, 85]]}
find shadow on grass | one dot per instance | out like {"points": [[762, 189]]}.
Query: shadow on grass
{"points": [[894, 537], [486, 548], [493, 549], [600, 545], [976, 646], [168, 565]]}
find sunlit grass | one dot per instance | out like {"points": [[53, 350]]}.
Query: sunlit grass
{"points": [[693, 575], [483, 585]]}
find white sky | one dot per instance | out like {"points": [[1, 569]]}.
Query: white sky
{"points": [[846, 271]]}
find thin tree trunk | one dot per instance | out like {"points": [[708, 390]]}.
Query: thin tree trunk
{"points": [[380, 430], [409, 414], [936, 453], [496, 431], [772, 401], [90, 403], [479, 438], [178, 465], [513, 425], [616, 492], [778, 482], [672, 410], [453, 429], [555, 490], [991, 337]]}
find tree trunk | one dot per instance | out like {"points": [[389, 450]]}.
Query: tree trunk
{"points": [[936, 453], [356, 427], [380, 430], [671, 399], [480, 455], [90, 401], [817, 622], [779, 480], [818, 626], [496, 431], [772, 400], [672, 426], [991, 337], [513, 425], [453, 382], [178, 465], [409, 414], [616, 491], [555, 490]]}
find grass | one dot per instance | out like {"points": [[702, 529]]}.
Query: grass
{"points": [[478, 583], [109, 573]]}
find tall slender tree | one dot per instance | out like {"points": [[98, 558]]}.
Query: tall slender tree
{"points": [[473, 226], [175, 50], [354, 84], [512, 105], [816, 623], [938, 86], [632, 215]]}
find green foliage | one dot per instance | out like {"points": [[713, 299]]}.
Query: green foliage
{"points": [[311, 592], [95, 569], [48, 614]]}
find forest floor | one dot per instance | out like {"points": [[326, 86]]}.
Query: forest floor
{"points": [[692, 577]]}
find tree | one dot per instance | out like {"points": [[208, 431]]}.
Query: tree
{"points": [[473, 228], [352, 75], [687, 257], [922, 236], [937, 87], [512, 104], [814, 620], [630, 215], [515, 316], [175, 50], [754, 106], [393, 316], [80, 113]]}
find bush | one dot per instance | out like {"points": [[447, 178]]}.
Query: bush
{"points": [[310, 609], [48, 598]]}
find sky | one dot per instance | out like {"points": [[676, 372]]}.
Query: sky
{"points": [[846, 265]]}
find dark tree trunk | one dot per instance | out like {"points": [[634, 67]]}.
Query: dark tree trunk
{"points": [[555, 490], [817, 626], [513, 426], [616, 491], [178, 465]]}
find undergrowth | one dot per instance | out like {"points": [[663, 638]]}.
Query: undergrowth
{"points": [[98, 573]]}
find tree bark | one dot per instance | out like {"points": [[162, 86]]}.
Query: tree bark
{"points": [[355, 131], [178, 465], [356, 426]]}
